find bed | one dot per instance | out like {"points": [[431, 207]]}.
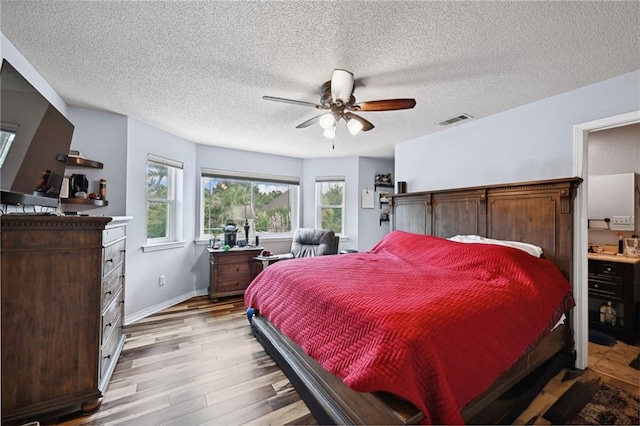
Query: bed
{"points": [[401, 332]]}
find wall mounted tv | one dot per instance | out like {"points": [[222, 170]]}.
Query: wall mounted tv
{"points": [[33, 134]]}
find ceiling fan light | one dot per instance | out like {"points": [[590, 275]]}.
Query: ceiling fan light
{"points": [[327, 121], [354, 126], [330, 133], [341, 85]]}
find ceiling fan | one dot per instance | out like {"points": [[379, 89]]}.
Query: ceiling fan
{"points": [[338, 103]]}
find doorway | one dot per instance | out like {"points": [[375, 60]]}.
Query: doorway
{"points": [[580, 261]]}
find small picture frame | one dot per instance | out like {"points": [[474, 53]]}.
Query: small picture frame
{"points": [[383, 179], [383, 198]]}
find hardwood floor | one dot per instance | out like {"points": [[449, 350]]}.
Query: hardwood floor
{"points": [[198, 363]]}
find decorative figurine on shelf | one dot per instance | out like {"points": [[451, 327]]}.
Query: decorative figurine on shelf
{"points": [[103, 189]]}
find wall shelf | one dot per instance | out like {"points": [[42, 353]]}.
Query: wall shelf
{"points": [[382, 185], [88, 202], [80, 162]]}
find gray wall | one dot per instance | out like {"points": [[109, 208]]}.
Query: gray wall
{"points": [[370, 230], [101, 136], [531, 142], [143, 293]]}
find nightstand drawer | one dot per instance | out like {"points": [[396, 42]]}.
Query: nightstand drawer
{"points": [[233, 269], [233, 283]]}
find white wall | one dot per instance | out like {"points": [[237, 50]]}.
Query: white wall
{"points": [[370, 230], [143, 294], [101, 136], [531, 142]]}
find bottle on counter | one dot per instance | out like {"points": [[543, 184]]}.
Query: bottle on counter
{"points": [[620, 243]]}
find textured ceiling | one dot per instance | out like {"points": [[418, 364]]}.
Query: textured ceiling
{"points": [[199, 69]]}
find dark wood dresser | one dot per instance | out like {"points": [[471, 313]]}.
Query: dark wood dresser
{"points": [[62, 312], [231, 271]]}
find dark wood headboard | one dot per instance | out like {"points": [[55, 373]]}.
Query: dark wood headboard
{"points": [[539, 213]]}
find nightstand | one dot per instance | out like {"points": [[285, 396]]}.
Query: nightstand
{"points": [[231, 271]]}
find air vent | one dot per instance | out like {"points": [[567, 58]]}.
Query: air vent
{"points": [[455, 119]]}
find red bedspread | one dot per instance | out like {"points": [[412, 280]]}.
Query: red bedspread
{"points": [[429, 320]]}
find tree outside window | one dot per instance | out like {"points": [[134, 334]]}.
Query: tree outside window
{"points": [[273, 203], [330, 204], [164, 179]]}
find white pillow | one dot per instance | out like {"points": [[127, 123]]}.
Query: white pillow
{"points": [[533, 250]]}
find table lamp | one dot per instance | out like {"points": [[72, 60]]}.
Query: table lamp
{"points": [[246, 213]]}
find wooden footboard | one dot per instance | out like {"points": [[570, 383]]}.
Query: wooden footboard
{"points": [[332, 402]]}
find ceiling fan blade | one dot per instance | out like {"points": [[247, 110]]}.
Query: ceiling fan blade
{"points": [[292, 101], [309, 122], [341, 85], [385, 105], [366, 125]]}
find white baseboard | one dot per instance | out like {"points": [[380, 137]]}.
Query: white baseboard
{"points": [[129, 319]]}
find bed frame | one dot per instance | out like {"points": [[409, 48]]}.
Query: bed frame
{"points": [[537, 212]]}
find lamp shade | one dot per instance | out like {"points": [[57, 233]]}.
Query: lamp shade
{"points": [[327, 121], [246, 212], [354, 126], [330, 133]]}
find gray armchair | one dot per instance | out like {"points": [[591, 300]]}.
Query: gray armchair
{"points": [[308, 242]]}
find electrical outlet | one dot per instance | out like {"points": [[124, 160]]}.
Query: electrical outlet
{"points": [[161, 280], [621, 220]]}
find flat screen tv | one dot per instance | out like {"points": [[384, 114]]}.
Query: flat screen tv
{"points": [[34, 142]]}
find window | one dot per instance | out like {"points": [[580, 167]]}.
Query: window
{"points": [[7, 135], [164, 198], [273, 202], [330, 203]]}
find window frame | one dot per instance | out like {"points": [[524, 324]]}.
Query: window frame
{"points": [[319, 181], [173, 201], [253, 179]]}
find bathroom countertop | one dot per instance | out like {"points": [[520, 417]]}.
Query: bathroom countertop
{"points": [[613, 258]]}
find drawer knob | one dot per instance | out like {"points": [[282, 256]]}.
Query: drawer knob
{"points": [[608, 269], [108, 292], [110, 260], [107, 357], [596, 285], [108, 325]]}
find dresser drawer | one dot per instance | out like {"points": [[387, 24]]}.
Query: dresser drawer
{"points": [[232, 269], [112, 256], [605, 289], [111, 285], [237, 283], [112, 234], [602, 269], [110, 317], [109, 348]]}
